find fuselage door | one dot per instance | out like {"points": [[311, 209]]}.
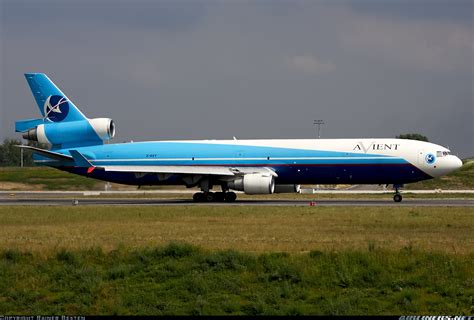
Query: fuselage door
{"points": [[421, 157]]}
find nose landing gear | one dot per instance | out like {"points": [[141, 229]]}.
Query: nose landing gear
{"points": [[397, 197]]}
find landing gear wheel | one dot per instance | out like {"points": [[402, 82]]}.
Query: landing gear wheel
{"points": [[198, 197], [230, 196], [219, 196], [397, 197], [209, 197], [214, 197]]}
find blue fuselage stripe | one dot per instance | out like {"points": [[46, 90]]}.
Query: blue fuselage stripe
{"points": [[256, 162]]}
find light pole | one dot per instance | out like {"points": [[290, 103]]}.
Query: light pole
{"points": [[319, 123], [21, 155]]}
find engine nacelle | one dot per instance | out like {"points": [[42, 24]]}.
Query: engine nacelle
{"points": [[90, 130], [104, 127], [287, 188], [253, 184]]}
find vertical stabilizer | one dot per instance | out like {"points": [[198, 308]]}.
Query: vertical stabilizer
{"points": [[62, 124], [53, 104]]}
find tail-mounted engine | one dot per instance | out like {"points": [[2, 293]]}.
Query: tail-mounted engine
{"points": [[84, 132]]}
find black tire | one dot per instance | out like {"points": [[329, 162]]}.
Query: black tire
{"points": [[198, 197], [209, 197], [397, 198], [219, 196], [230, 196]]}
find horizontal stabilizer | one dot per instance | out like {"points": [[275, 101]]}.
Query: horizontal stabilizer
{"points": [[25, 125], [47, 153]]}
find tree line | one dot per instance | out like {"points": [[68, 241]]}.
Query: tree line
{"points": [[10, 156]]}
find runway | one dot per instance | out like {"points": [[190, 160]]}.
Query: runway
{"points": [[34, 201]]}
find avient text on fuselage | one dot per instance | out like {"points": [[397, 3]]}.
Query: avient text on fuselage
{"points": [[376, 146]]}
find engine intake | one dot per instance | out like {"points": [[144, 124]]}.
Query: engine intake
{"points": [[104, 127], [253, 184]]}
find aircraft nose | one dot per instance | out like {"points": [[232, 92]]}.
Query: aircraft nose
{"points": [[453, 163], [456, 163], [446, 165]]}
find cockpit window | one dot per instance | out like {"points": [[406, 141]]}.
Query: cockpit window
{"points": [[442, 153]]}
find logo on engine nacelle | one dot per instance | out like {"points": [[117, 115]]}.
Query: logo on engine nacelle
{"points": [[56, 108]]}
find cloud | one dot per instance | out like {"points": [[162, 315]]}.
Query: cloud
{"points": [[425, 44], [162, 16], [363, 71], [310, 64]]}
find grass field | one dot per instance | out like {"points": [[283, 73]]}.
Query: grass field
{"points": [[236, 260], [180, 279], [255, 229], [459, 179], [44, 178]]}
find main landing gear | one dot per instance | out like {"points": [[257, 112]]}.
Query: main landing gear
{"points": [[207, 196], [214, 197], [397, 197]]}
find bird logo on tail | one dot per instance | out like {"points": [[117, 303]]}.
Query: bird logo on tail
{"points": [[56, 108]]}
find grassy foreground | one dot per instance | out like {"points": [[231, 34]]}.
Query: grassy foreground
{"points": [[253, 229], [180, 279], [236, 260]]}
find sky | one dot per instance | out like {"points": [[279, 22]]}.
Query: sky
{"points": [[189, 69]]}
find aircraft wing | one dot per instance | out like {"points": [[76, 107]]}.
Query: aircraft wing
{"points": [[191, 170], [47, 153]]}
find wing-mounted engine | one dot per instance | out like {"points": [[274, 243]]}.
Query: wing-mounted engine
{"points": [[256, 183], [82, 132]]}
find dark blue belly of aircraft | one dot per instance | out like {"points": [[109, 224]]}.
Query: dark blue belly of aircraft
{"points": [[287, 174], [350, 174]]}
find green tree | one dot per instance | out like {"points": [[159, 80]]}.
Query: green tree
{"points": [[412, 136], [10, 156]]}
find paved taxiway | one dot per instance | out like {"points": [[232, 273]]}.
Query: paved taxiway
{"points": [[31, 201]]}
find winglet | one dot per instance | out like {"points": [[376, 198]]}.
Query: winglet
{"points": [[80, 160]]}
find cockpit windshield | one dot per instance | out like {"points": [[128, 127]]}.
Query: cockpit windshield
{"points": [[442, 153]]}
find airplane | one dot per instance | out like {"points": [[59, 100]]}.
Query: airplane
{"points": [[252, 166]]}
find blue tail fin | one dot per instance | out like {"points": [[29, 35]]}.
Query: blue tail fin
{"points": [[62, 124], [52, 103]]}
